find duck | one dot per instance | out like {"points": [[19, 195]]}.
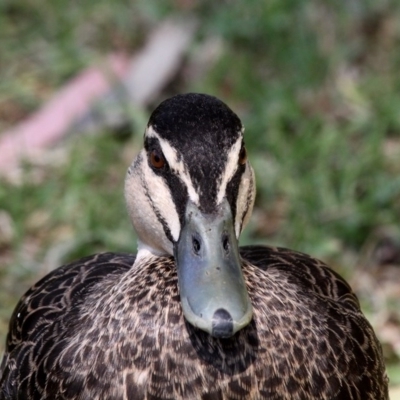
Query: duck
{"points": [[192, 315]]}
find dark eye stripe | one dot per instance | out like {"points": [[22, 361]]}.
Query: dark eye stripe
{"points": [[156, 211], [177, 187], [243, 155], [232, 189]]}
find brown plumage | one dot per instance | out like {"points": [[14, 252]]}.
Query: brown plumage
{"points": [[110, 327]]}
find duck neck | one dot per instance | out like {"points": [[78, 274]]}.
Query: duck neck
{"points": [[145, 251]]}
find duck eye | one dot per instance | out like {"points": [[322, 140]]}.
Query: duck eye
{"points": [[157, 160], [242, 156]]}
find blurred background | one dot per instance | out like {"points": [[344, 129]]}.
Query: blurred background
{"points": [[316, 83]]}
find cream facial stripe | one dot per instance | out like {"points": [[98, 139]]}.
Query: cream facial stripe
{"points": [[161, 201], [230, 168], [175, 164]]}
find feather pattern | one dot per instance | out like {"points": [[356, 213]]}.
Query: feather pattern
{"points": [[100, 328]]}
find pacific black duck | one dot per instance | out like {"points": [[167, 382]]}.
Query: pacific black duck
{"points": [[192, 315]]}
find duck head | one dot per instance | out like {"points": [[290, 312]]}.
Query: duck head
{"points": [[189, 193]]}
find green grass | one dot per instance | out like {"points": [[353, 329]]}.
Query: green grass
{"points": [[316, 84]]}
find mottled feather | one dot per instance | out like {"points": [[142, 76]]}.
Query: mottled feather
{"points": [[98, 328]]}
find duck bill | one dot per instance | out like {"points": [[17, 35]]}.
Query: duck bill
{"points": [[212, 288]]}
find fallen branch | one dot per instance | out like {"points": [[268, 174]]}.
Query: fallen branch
{"points": [[140, 80]]}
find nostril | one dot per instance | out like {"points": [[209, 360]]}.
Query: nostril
{"points": [[225, 243], [196, 245]]}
